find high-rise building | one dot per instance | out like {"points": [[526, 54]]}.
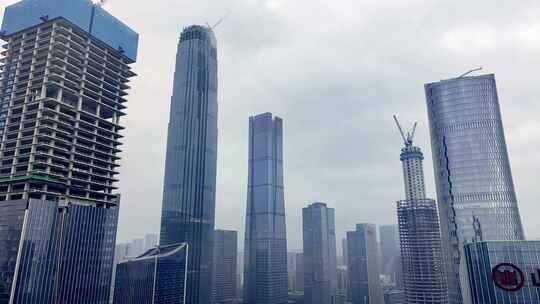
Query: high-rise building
{"points": [[265, 271], [344, 251], [389, 235], [422, 260], [364, 283], [190, 166], [63, 86], [299, 273], [472, 170], [158, 276], [150, 241], [291, 271], [503, 272], [320, 262], [136, 248], [225, 258]]}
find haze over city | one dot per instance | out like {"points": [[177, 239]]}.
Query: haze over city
{"points": [[335, 73]]}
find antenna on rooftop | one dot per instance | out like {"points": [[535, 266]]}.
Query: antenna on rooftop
{"points": [[218, 22], [409, 136], [468, 72]]}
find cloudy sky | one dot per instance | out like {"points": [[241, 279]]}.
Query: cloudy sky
{"points": [[335, 71]]}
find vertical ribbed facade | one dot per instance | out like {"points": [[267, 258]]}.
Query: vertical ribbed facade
{"points": [[389, 236], [65, 70], [363, 274], [320, 263], [156, 277], [472, 170], [224, 289], [265, 270], [190, 165]]}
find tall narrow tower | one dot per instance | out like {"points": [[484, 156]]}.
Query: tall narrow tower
{"points": [[190, 165], [424, 281], [265, 278]]}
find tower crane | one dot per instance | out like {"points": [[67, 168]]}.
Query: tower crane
{"points": [[407, 137]]}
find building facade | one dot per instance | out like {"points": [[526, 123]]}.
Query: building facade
{"points": [[224, 288], [150, 241], [503, 272], [363, 274], [389, 235], [299, 273], [320, 262], [265, 270], [472, 170], [65, 74], [158, 276], [191, 159]]}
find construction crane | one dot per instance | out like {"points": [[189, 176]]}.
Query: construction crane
{"points": [[99, 2], [218, 22], [407, 137]]}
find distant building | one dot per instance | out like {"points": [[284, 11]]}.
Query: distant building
{"points": [[394, 297], [342, 280], [472, 170], [364, 282], [291, 271], [389, 235], [320, 263], [344, 253], [265, 270], [299, 272], [225, 258], [504, 272], [159, 276], [135, 248], [150, 241]]}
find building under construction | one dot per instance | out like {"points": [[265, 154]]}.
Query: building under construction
{"points": [[419, 232]]}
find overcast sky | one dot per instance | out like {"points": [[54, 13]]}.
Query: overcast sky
{"points": [[335, 71]]}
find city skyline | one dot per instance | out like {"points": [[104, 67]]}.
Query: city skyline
{"points": [[144, 216]]}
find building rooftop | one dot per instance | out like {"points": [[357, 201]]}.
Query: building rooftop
{"points": [[83, 13]]}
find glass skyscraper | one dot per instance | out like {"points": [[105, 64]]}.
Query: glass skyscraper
{"points": [[190, 167], [389, 235], [158, 276], [472, 170], [320, 262], [63, 90], [224, 272], [364, 283], [265, 270]]}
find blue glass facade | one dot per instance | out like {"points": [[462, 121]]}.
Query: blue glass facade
{"points": [[158, 276], [320, 262], [64, 252], [364, 283], [190, 166], [83, 13], [224, 285], [265, 262], [482, 259], [472, 170]]}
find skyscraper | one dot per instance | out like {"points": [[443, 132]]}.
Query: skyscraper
{"points": [[424, 280], [364, 284], [320, 263], [389, 235], [150, 241], [265, 278], [225, 258], [158, 276], [63, 90], [190, 165], [299, 273], [472, 170]]}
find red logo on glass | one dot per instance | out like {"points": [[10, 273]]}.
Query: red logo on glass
{"points": [[508, 277]]}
